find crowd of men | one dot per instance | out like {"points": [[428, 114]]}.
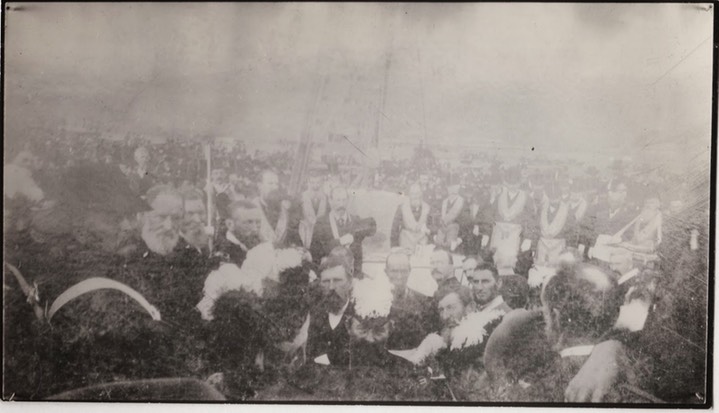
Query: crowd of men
{"points": [[504, 285]]}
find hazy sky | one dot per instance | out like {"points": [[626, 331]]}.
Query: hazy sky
{"points": [[621, 78]]}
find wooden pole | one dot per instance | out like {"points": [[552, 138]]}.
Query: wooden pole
{"points": [[210, 193]]}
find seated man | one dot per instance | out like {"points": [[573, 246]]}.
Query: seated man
{"points": [[452, 207], [192, 228], [580, 304], [465, 332], [413, 314], [243, 232], [328, 335], [477, 227], [409, 227], [485, 284], [340, 228], [442, 268]]}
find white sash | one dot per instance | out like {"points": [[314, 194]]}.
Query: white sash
{"points": [[410, 223], [510, 213], [268, 233], [551, 230], [333, 224], [457, 204], [506, 237], [580, 209], [321, 209]]}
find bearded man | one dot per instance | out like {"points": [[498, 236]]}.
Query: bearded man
{"points": [[328, 337], [275, 211], [243, 232], [193, 229], [314, 206], [340, 228]]}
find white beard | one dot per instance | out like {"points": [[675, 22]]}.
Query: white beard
{"points": [[161, 245]]}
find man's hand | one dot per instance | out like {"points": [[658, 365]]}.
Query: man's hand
{"points": [[286, 205], [209, 230], [598, 374], [346, 240]]}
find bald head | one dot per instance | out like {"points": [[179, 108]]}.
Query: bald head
{"points": [[581, 302]]}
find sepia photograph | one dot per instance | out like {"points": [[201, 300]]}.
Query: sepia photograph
{"points": [[359, 203]]}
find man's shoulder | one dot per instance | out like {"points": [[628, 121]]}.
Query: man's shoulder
{"points": [[504, 308]]}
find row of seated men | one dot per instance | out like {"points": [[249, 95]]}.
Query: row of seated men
{"points": [[163, 258]]}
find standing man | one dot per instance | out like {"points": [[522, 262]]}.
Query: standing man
{"points": [[555, 224], [477, 228], [140, 178], [511, 233], [221, 192], [314, 206], [452, 207], [409, 227], [339, 228]]}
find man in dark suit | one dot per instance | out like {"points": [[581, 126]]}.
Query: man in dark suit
{"points": [[413, 315], [243, 232], [610, 217], [339, 228], [477, 222], [328, 340]]}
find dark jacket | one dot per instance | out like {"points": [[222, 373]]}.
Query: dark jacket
{"points": [[322, 339], [323, 240], [414, 316]]}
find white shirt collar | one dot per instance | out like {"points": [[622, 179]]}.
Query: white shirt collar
{"points": [[231, 237], [336, 318], [338, 218], [577, 351]]}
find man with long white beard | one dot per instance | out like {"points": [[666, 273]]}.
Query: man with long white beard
{"points": [[110, 335], [161, 225]]}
